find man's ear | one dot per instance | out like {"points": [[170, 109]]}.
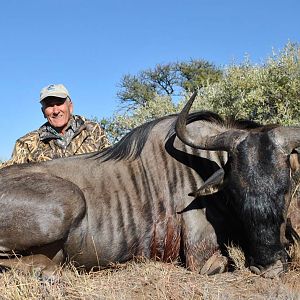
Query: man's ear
{"points": [[42, 109], [71, 106], [294, 161]]}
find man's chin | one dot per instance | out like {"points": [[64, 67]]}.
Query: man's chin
{"points": [[59, 127]]}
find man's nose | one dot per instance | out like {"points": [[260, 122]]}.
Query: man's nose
{"points": [[55, 109]]}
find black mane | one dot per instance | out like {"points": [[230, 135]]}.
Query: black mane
{"points": [[132, 144]]}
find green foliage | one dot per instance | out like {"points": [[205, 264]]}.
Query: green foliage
{"points": [[197, 74], [172, 79], [121, 123], [153, 93], [136, 91], [268, 93]]}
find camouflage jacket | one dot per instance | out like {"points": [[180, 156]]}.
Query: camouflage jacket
{"points": [[81, 136]]}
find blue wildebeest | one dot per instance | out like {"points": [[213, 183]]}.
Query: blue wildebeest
{"points": [[156, 195]]}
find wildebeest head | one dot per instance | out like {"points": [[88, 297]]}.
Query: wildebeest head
{"points": [[257, 181]]}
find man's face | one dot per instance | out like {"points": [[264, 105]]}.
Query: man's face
{"points": [[58, 112]]}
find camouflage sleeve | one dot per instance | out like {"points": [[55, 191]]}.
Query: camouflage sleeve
{"points": [[100, 139], [5, 164], [20, 153]]}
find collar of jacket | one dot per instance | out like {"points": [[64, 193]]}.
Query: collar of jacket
{"points": [[76, 125]]}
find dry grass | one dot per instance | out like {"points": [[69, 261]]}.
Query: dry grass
{"points": [[155, 280]]}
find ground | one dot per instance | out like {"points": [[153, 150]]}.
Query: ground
{"points": [[151, 280]]}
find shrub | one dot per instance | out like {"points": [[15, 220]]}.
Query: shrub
{"points": [[267, 93]]}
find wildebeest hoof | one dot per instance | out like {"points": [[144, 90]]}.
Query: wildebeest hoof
{"points": [[49, 275], [255, 270], [216, 264], [273, 271]]}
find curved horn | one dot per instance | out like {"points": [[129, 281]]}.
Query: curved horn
{"points": [[225, 140], [288, 137]]}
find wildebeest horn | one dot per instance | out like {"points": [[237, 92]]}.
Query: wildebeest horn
{"points": [[221, 140], [288, 137]]}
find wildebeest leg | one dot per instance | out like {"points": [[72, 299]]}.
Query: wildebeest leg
{"points": [[39, 263], [200, 244], [38, 211]]}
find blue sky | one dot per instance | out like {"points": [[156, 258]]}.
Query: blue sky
{"points": [[88, 45]]}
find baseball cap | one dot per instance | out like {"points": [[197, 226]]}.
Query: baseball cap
{"points": [[54, 90]]}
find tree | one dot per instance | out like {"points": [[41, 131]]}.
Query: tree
{"points": [[266, 93], [197, 74], [153, 93], [172, 79], [135, 91]]}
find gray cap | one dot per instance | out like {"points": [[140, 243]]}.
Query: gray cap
{"points": [[54, 90]]}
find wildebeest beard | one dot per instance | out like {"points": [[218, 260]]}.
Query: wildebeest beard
{"points": [[259, 186]]}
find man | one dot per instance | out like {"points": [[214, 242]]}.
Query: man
{"points": [[64, 134]]}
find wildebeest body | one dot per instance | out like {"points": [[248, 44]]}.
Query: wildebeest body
{"points": [[106, 210], [133, 199]]}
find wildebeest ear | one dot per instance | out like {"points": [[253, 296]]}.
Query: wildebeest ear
{"points": [[295, 160], [212, 185]]}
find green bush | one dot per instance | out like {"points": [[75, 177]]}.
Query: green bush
{"points": [[121, 123], [267, 93]]}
